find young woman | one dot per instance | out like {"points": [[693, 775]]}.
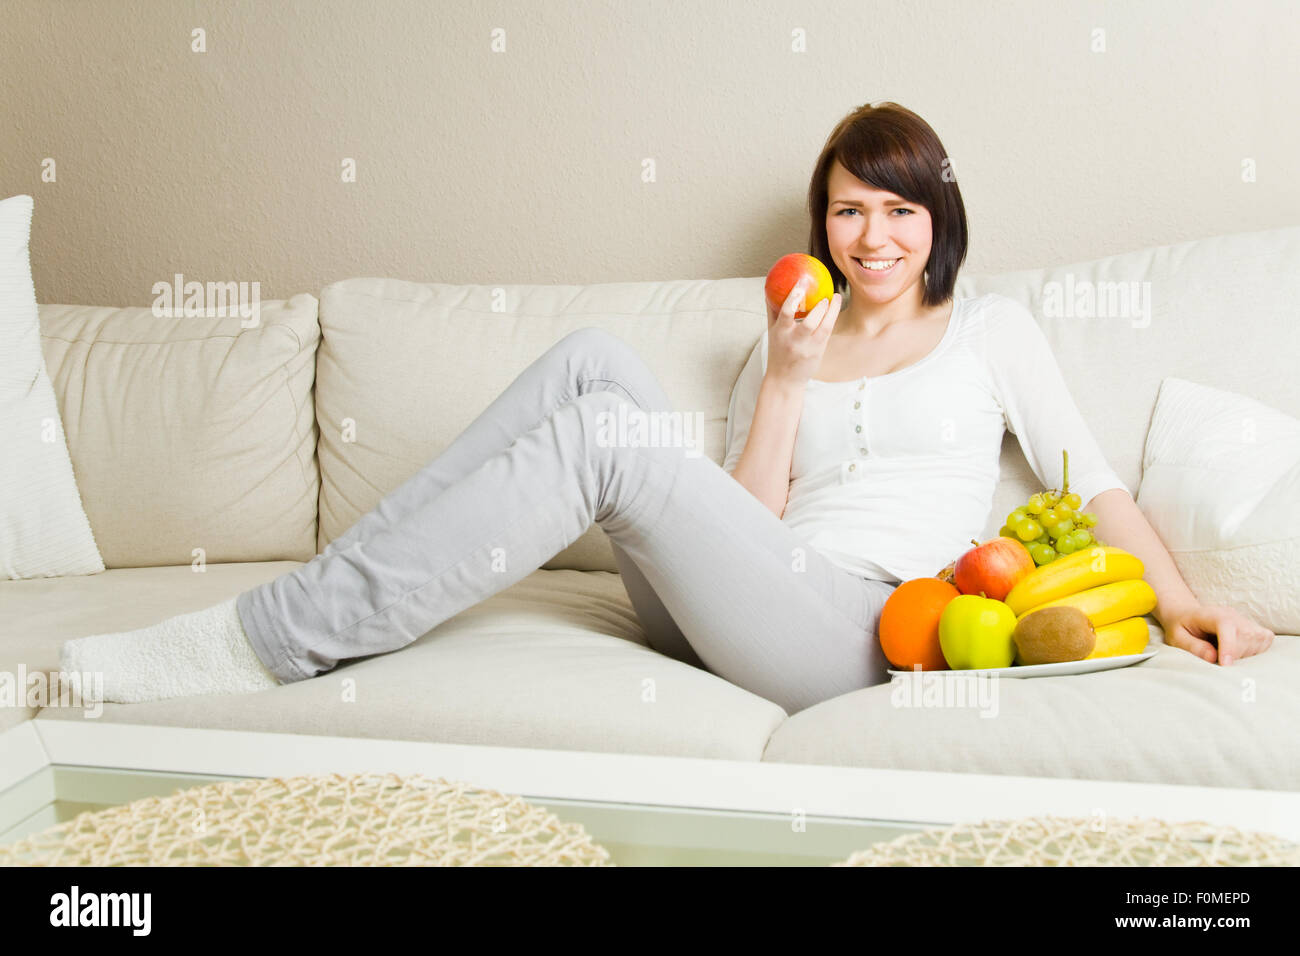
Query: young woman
{"points": [[862, 451]]}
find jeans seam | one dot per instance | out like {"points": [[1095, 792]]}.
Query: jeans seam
{"points": [[611, 381]]}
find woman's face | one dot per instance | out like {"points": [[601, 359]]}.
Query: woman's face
{"points": [[863, 222]]}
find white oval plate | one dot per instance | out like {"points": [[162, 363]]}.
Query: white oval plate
{"points": [[1049, 670]]}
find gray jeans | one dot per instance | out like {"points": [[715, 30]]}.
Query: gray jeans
{"points": [[717, 580]]}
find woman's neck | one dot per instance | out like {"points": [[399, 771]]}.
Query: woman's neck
{"points": [[870, 319]]}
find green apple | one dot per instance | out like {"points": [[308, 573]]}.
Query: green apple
{"points": [[975, 632]]}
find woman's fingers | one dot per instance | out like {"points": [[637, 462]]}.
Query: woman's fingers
{"points": [[827, 325], [792, 303], [812, 321], [820, 319], [823, 315]]}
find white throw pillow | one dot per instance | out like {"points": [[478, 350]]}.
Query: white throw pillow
{"points": [[44, 531], [1221, 486]]}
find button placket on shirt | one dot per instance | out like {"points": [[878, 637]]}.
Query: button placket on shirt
{"points": [[857, 416]]}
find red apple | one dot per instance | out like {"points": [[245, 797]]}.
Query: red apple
{"points": [[992, 568]]}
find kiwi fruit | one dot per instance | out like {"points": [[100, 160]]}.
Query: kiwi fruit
{"points": [[1053, 634]]}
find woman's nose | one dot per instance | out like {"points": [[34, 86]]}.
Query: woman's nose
{"points": [[877, 232]]}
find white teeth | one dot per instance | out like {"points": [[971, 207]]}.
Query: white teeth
{"points": [[877, 265]]}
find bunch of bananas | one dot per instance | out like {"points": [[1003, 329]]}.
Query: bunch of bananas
{"points": [[1103, 582]]}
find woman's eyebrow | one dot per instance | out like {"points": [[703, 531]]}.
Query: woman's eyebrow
{"points": [[854, 202]]}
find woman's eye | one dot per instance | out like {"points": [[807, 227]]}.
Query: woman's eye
{"points": [[899, 209]]}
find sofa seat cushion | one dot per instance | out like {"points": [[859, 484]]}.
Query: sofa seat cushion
{"points": [[557, 661], [1171, 719]]}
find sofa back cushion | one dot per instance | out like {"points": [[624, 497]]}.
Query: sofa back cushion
{"points": [[191, 438], [404, 367], [1220, 312]]}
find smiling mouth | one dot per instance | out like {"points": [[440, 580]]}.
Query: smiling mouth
{"points": [[881, 266]]}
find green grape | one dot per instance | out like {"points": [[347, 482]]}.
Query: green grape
{"points": [[1053, 498], [1072, 501], [1048, 520], [1089, 519], [1036, 504], [1081, 539], [1043, 555], [1018, 515], [1028, 529], [1065, 545], [1064, 527], [1006, 531]]}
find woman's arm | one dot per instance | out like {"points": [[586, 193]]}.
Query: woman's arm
{"points": [[1120, 522], [764, 465], [1186, 622], [1044, 417]]}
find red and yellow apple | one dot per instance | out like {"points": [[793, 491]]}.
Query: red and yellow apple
{"points": [[992, 569], [787, 272]]}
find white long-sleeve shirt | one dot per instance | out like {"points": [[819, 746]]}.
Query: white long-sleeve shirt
{"points": [[892, 475]]}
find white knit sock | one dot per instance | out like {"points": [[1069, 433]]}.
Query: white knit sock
{"points": [[203, 652]]}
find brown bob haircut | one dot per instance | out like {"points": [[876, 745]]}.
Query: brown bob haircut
{"points": [[891, 148]]}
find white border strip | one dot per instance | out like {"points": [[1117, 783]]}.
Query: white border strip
{"points": [[904, 796]]}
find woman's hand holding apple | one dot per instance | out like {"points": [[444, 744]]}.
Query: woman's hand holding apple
{"points": [[795, 347]]}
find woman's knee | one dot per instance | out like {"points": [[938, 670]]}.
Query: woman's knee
{"points": [[604, 349], [606, 358]]}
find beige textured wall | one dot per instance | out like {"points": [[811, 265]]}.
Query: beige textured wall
{"points": [[527, 165]]}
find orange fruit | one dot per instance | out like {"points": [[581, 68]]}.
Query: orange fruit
{"points": [[909, 624]]}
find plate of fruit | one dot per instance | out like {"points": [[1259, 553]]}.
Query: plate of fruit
{"points": [[1036, 601]]}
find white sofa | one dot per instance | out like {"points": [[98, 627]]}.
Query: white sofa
{"points": [[211, 458]]}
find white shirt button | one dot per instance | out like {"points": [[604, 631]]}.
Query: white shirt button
{"points": [[863, 450], [852, 467], [857, 428], [857, 404]]}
